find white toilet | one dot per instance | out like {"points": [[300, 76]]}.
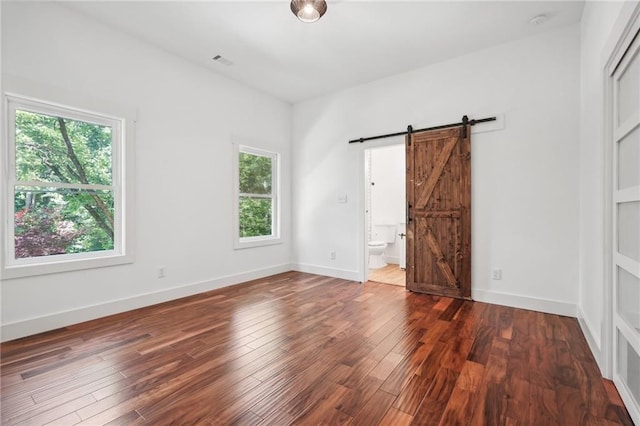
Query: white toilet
{"points": [[381, 235]]}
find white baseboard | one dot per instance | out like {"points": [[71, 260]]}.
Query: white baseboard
{"points": [[525, 302], [329, 272], [31, 326], [392, 259], [592, 341]]}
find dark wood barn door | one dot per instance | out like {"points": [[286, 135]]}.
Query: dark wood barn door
{"points": [[439, 212]]}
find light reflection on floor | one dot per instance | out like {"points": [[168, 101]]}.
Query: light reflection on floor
{"points": [[390, 274]]}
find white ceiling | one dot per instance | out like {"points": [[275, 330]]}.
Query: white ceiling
{"points": [[354, 43]]}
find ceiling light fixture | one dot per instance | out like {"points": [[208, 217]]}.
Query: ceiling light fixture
{"points": [[308, 10]]}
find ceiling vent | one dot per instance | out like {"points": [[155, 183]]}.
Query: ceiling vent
{"points": [[538, 19], [222, 60]]}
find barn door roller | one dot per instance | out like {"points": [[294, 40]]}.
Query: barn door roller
{"points": [[464, 122]]}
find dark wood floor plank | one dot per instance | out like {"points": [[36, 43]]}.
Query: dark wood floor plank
{"points": [[358, 396], [386, 365], [479, 352], [194, 407], [54, 377], [84, 354], [451, 310], [461, 407], [247, 418], [518, 398], [125, 419], [210, 381], [78, 387], [69, 419], [406, 369], [323, 410], [412, 394], [306, 349], [374, 411], [543, 409], [429, 413], [310, 377], [395, 417], [50, 412], [42, 395], [239, 407]]}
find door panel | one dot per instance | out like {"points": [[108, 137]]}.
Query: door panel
{"points": [[629, 230], [628, 90], [439, 213], [626, 227], [628, 154]]}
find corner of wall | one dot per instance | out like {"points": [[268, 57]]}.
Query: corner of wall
{"points": [[592, 340], [329, 272], [525, 302]]}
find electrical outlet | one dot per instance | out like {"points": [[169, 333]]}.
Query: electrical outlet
{"points": [[162, 272], [496, 274], [332, 255]]}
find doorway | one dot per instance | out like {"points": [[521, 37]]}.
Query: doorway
{"points": [[385, 214]]}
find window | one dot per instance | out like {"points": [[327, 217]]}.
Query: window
{"points": [[256, 203], [64, 192]]}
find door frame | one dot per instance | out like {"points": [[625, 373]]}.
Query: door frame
{"points": [[621, 37], [363, 219]]}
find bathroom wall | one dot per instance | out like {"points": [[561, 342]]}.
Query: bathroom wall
{"points": [[388, 193]]}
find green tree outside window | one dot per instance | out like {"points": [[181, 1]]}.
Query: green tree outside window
{"points": [[256, 195], [63, 198]]}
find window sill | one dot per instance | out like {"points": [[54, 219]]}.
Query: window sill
{"points": [[256, 242], [64, 265]]}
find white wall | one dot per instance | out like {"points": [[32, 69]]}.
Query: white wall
{"points": [[525, 177], [388, 194], [186, 118], [598, 20]]}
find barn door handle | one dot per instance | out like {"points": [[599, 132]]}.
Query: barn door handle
{"points": [[465, 122], [409, 218]]}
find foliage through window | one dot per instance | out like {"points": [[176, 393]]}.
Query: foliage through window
{"points": [[257, 194], [64, 182]]}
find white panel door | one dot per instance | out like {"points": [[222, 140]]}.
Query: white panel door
{"points": [[626, 228]]}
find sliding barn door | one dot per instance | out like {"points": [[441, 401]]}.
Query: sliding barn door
{"points": [[439, 212]]}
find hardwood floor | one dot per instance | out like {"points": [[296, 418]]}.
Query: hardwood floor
{"points": [[390, 274], [306, 349]]}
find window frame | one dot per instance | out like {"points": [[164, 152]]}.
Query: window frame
{"points": [[121, 162], [263, 240]]}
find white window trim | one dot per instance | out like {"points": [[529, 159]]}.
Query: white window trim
{"points": [[122, 180], [274, 238]]}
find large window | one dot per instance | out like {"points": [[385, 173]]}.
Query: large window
{"points": [[64, 192], [257, 197]]}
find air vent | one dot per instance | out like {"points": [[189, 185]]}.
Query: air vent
{"points": [[538, 19], [222, 60]]}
